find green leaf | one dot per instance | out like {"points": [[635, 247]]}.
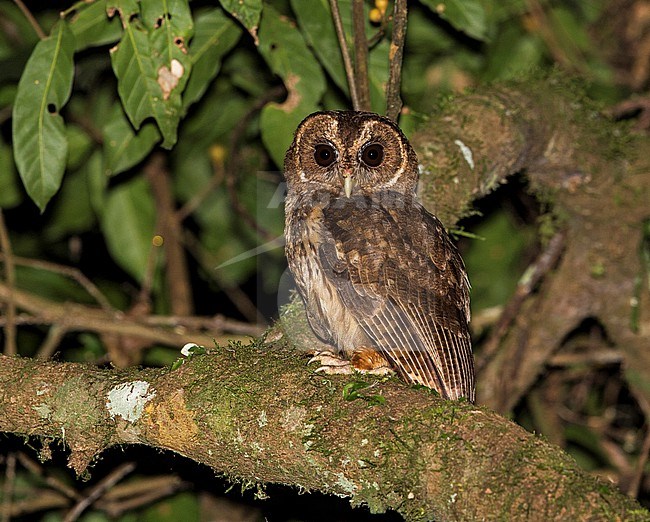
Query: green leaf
{"points": [[9, 190], [513, 53], [79, 146], [315, 21], [215, 35], [15, 24], [91, 26], [467, 16], [40, 144], [351, 392], [286, 53], [97, 181], [151, 62], [128, 223], [125, 8], [71, 210], [123, 147], [247, 12], [170, 27]]}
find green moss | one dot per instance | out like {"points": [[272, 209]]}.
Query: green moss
{"points": [[71, 407]]}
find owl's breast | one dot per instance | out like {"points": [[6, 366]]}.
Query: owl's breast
{"points": [[305, 235]]}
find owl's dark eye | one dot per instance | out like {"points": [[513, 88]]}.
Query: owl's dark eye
{"points": [[324, 155], [372, 155]]}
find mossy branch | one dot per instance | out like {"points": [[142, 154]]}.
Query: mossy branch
{"points": [[259, 415]]}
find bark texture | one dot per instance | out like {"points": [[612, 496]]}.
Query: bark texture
{"points": [[257, 414], [594, 177]]}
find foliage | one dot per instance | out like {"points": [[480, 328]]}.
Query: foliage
{"points": [[153, 74], [216, 89]]}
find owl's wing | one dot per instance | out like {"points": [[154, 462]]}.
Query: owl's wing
{"points": [[399, 274]]}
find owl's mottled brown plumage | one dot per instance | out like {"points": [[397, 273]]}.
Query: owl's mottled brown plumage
{"points": [[381, 280]]}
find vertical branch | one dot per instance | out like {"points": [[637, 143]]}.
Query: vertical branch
{"points": [[393, 99], [10, 276], [360, 55], [176, 272], [345, 53]]}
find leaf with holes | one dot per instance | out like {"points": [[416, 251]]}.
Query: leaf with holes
{"points": [[287, 54], [138, 84], [125, 8], [170, 27], [39, 137], [215, 35], [247, 12], [128, 223], [91, 26], [467, 16]]}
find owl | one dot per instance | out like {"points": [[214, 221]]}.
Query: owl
{"points": [[382, 283]]}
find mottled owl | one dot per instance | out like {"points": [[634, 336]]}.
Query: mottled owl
{"points": [[381, 280]]}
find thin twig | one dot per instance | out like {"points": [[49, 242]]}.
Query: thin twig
{"points": [[127, 497], [233, 163], [345, 53], [533, 275], [639, 470], [68, 271], [10, 277], [31, 19], [217, 323], [54, 336], [197, 200], [83, 318], [97, 491], [75, 7], [51, 481], [393, 99], [638, 107], [8, 489], [237, 297], [360, 55]]}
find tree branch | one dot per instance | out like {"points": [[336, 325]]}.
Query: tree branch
{"points": [[574, 160], [393, 99], [360, 55], [176, 271], [345, 54], [77, 317], [262, 414]]}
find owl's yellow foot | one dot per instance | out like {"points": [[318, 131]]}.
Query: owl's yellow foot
{"points": [[364, 360]]}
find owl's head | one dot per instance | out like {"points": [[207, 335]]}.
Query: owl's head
{"points": [[350, 152]]}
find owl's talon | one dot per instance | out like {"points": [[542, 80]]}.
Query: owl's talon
{"points": [[328, 360], [335, 370]]}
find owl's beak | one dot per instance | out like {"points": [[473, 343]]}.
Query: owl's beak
{"points": [[348, 185]]}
